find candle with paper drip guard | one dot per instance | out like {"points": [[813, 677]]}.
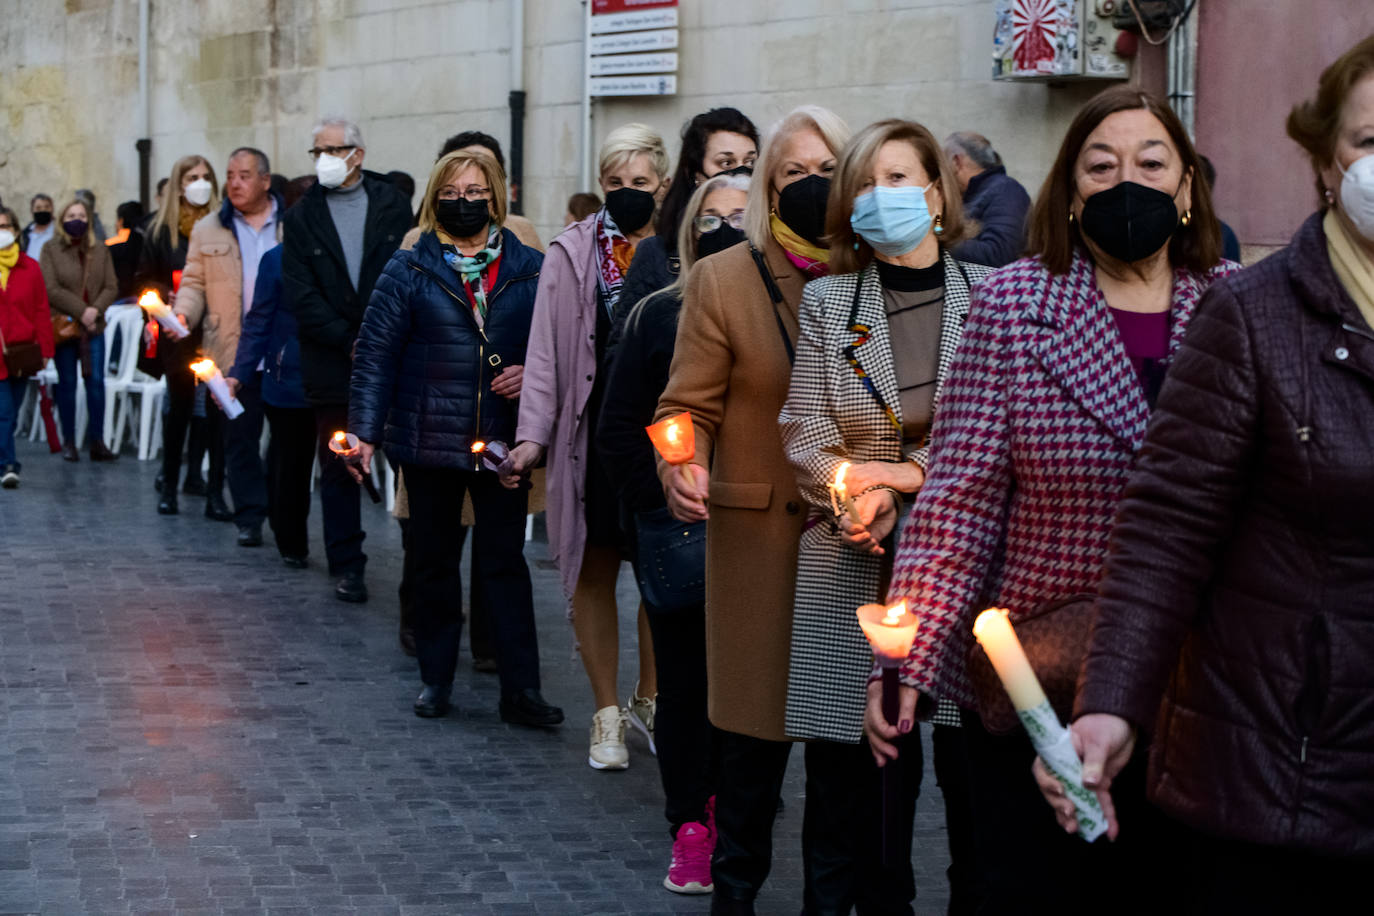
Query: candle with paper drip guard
{"points": [[840, 500], [890, 631], [345, 445], [207, 372], [162, 313], [675, 439], [1051, 739]]}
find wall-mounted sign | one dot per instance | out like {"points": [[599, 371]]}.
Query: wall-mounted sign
{"points": [[631, 37]]}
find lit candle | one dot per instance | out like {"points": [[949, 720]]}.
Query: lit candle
{"points": [[345, 445], [675, 439], [840, 500], [1050, 738], [493, 454], [890, 631], [207, 372], [152, 303]]}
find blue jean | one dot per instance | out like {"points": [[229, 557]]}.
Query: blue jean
{"points": [[11, 396], [68, 360]]}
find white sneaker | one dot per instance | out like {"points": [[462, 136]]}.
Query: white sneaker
{"points": [[642, 711], [608, 740]]}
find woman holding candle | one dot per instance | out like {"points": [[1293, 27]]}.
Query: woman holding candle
{"points": [[578, 292], [876, 339], [81, 286], [160, 265], [1238, 587], [736, 337], [437, 371], [1040, 419], [688, 751]]}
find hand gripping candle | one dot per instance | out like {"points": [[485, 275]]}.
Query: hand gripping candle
{"points": [[675, 439], [152, 303], [345, 445], [1051, 739], [840, 500], [890, 631], [206, 372]]}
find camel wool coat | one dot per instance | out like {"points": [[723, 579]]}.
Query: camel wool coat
{"points": [[730, 371]]}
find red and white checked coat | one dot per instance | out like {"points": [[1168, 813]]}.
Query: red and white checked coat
{"points": [[1040, 420]]}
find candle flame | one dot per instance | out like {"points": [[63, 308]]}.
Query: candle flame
{"points": [[674, 434], [478, 446], [894, 614], [839, 476], [151, 300], [203, 369], [341, 436], [985, 619]]}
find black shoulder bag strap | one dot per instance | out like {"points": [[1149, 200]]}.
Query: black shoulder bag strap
{"points": [[776, 295]]}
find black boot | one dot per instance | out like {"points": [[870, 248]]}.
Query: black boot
{"points": [[216, 508], [195, 456], [167, 505]]}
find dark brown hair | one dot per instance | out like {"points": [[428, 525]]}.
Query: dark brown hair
{"points": [[1054, 237], [1316, 123], [849, 253]]}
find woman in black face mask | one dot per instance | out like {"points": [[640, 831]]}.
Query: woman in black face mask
{"points": [[578, 293], [437, 375], [1040, 419], [687, 748], [715, 142], [737, 332]]}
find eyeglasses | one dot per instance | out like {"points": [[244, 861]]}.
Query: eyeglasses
{"points": [[316, 151], [709, 222], [470, 194]]}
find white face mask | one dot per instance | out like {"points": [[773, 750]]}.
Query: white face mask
{"points": [[6, 238], [197, 193], [332, 171], [1357, 195]]}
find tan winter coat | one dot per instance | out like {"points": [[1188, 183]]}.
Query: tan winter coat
{"points": [[212, 288]]}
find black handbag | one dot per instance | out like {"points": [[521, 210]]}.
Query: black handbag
{"points": [[671, 562]]}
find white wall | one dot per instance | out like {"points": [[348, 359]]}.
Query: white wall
{"points": [[227, 73]]}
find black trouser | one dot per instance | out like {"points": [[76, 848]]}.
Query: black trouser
{"points": [[498, 545], [181, 404], [842, 829], [243, 456], [290, 459], [752, 771], [479, 615], [1213, 875], [951, 775], [1028, 865], [340, 499], [688, 744]]}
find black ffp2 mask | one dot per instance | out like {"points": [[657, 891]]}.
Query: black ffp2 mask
{"points": [[718, 239], [801, 205], [42, 217], [1129, 221], [631, 208], [462, 218]]}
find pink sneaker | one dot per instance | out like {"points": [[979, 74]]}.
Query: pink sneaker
{"points": [[690, 872]]}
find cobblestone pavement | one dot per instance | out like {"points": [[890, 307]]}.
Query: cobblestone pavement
{"points": [[186, 726]]}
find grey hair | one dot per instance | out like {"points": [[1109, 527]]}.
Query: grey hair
{"points": [[686, 234], [975, 146], [353, 135]]}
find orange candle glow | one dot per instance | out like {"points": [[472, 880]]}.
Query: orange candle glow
{"points": [[206, 372], [890, 631], [674, 437], [152, 303], [840, 500]]}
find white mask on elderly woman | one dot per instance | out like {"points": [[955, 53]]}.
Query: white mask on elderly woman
{"points": [[1357, 194], [6, 239]]}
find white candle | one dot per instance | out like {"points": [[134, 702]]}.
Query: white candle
{"points": [[207, 372], [166, 319], [993, 631], [840, 499]]}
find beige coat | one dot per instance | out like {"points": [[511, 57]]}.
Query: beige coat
{"points": [[731, 371], [212, 288], [63, 274]]}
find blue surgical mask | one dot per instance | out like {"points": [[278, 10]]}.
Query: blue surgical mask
{"points": [[892, 220]]}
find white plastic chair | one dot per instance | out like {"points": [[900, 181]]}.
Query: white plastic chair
{"points": [[130, 385]]}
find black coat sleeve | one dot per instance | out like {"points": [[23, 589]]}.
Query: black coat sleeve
{"points": [[381, 343], [317, 319]]}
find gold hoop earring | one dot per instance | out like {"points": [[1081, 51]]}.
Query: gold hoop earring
{"points": [[1071, 219], [1187, 216]]}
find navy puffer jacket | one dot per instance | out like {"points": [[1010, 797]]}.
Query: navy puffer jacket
{"points": [[422, 373]]}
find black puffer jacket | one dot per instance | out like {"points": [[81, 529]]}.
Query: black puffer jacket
{"points": [[421, 383], [1240, 581]]}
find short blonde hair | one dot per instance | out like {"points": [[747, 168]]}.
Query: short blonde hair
{"points": [[833, 130], [87, 240], [628, 141], [451, 165], [848, 250], [686, 233]]}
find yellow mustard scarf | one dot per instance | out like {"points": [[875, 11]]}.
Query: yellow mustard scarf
{"points": [[8, 258], [1353, 267], [810, 260]]}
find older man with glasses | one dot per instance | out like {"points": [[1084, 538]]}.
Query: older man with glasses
{"points": [[338, 239]]}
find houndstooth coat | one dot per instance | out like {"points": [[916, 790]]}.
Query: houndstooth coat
{"points": [[830, 417], [1039, 426]]}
